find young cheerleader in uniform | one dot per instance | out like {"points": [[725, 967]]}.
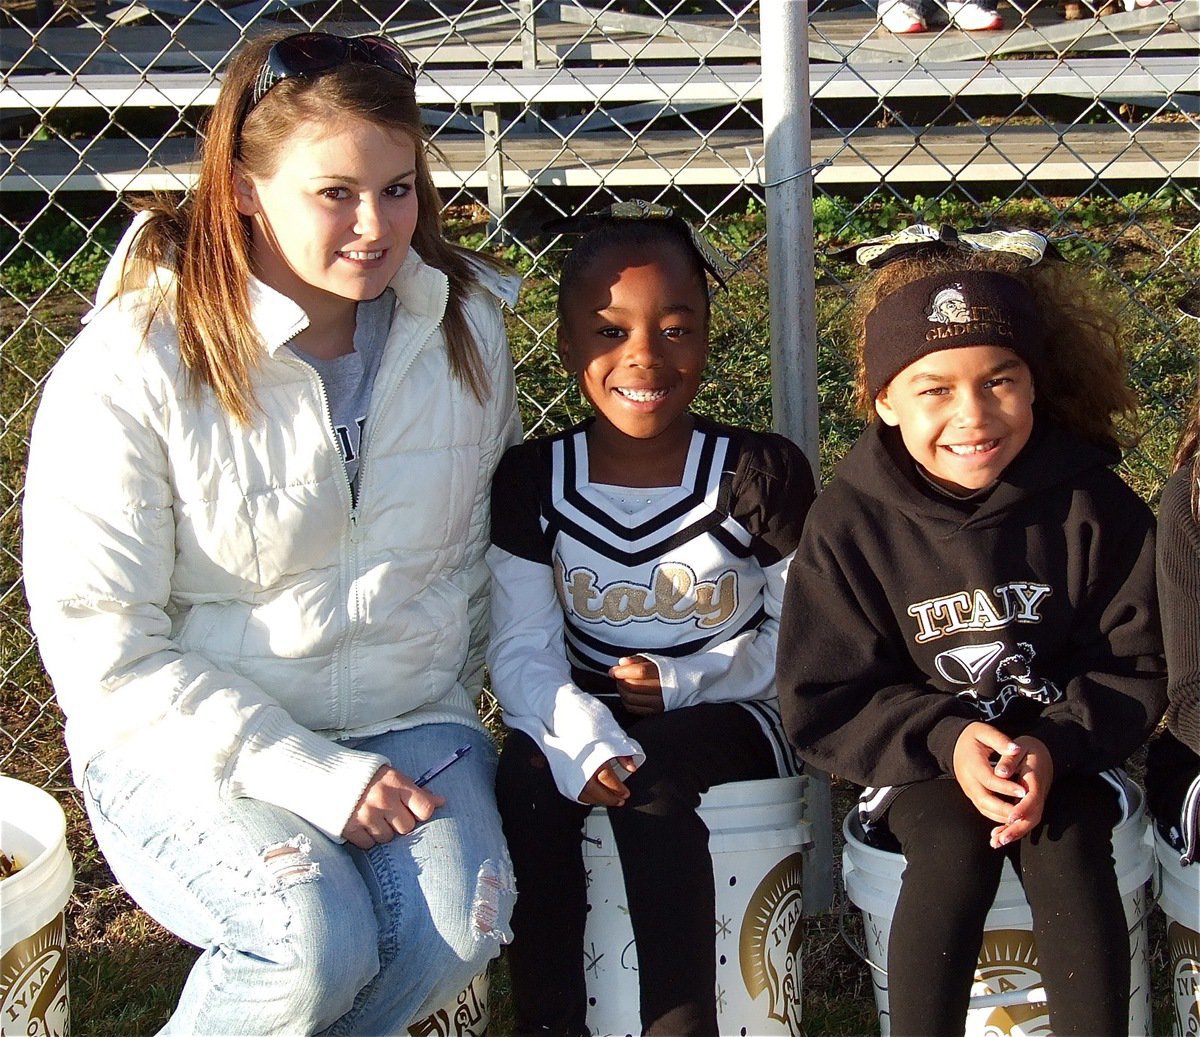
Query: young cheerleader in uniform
{"points": [[638, 569], [970, 629]]}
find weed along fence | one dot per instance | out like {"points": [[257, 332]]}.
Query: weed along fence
{"points": [[785, 129]]}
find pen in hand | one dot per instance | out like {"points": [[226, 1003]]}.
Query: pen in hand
{"points": [[441, 765]]}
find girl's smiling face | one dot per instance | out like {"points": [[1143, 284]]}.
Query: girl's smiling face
{"points": [[964, 414], [333, 221], [635, 335]]}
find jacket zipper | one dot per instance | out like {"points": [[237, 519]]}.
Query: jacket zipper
{"points": [[395, 387], [340, 653], [315, 378], [354, 613]]}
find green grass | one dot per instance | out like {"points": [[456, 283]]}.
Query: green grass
{"points": [[125, 970]]}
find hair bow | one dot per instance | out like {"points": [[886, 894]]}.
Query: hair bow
{"points": [[875, 252]]}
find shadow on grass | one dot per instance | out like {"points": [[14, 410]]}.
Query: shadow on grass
{"points": [[126, 979], [125, 969]]}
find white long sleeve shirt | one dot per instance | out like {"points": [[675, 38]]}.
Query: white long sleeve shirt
{"points": [[691, 577]]}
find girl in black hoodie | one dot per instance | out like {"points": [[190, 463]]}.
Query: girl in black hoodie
{"points": [[970, 628]]}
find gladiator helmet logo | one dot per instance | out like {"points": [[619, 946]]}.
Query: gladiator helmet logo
{"points": [[770, 941], [33, 982], [1008, 962], [948, 305], [1184, 945], [468, 1016]]}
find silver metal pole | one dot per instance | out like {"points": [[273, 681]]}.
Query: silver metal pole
{"points": [[788, 179], [788, 160], [528, 34]]}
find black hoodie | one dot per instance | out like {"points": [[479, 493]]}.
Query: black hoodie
{"points": [[909, 614]]}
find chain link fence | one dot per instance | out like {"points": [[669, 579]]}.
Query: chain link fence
{"points": [[1082, 121]]}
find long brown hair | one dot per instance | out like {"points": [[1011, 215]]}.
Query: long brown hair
{"points": [[1081, 384], [206, 241], [1187, 452]]}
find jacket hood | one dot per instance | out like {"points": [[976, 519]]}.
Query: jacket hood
{"points": [[110, 281], [879, 467]]}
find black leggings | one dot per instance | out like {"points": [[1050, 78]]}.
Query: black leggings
{"points": [[663, 846], [1066, 866]]}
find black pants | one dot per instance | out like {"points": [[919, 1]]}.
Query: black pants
{"points": [[663, 846], [1066, 866]]}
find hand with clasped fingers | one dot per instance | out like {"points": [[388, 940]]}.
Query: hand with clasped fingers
{"points": [[639, 685], [390, 805], [1007, 779]]}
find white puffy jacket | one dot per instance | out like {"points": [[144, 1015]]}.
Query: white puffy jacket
{"points": [[205, 593]]}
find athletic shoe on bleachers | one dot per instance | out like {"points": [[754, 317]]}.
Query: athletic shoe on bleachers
{"points": [[973, 17], [900, 16]]}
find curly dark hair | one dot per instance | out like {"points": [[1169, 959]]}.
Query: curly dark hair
{"points": [[1082, 382]]}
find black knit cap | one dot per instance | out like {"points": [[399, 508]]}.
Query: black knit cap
{"points": [[948, 311]]}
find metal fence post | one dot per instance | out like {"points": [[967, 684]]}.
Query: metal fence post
{"points": [[789, 194], [495, 168], [529, 45]]}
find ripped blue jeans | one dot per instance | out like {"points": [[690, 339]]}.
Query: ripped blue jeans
{"points": [[300, 934]]}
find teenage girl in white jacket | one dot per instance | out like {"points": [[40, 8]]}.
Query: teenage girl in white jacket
{"points": [[255, 517]]}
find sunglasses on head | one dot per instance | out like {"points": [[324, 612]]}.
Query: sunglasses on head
{"points": [[310, 54]]}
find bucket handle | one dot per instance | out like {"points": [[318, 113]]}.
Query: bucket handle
{"points": [[855, 948], [1032, 996], [1156, 872]]}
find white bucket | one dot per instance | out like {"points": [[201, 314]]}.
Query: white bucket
{"points": [[1007, 997], [467, 1015], [758, 837], [1179, 898], [33, 938]]}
